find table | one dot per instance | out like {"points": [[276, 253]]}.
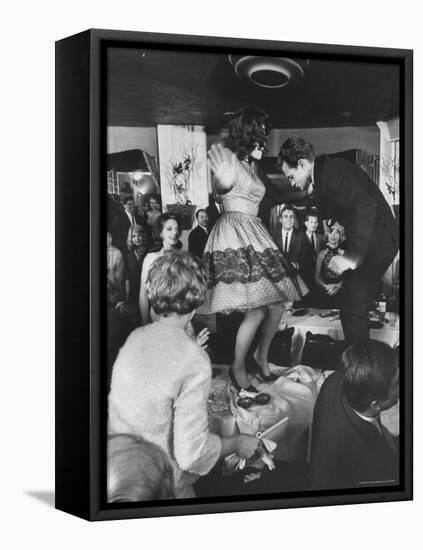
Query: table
{"points": [[293, 395], [316, 324]]}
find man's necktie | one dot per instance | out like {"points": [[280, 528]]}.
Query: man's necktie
{"points": [[133, 219], [313, 244], [285, 248]]}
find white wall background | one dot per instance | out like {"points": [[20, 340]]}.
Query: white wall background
{"points": [[29, 30], [124, 138]]}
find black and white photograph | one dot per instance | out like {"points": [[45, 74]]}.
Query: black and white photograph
{"points": [[254, 288]]}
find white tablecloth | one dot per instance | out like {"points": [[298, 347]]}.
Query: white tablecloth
{"points": [[328, 325], [292, 395]]}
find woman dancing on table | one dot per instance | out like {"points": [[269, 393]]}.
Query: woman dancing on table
{"points": [[246, 271]]}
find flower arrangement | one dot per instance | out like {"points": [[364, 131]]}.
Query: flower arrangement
{"points": [[180, 173], [390, 170]]}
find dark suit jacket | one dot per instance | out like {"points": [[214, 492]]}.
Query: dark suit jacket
{"points": [[346, 450], [213, 215], [345, 192], [120, 228], [197, 241], [310, 257], [297, 252]]}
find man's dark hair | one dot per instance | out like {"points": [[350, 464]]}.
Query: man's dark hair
{"points": [[127, 198], [369, 369], [311, 214], [198, 211], [288, 207], [294, 149]]}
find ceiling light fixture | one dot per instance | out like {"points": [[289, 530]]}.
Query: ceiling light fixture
{"points": [[268, 72]]}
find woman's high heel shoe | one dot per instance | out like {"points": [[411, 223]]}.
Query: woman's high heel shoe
{"points": [[238, 388], [254, 368]]}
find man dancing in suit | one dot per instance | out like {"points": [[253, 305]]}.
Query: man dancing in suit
{"points": [[350, 446], [343, 191], [198, 237]]}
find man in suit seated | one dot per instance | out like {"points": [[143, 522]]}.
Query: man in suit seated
{"points": [[350, 446], [291, 241], [315, 243], [198, 237], [122, 222]]}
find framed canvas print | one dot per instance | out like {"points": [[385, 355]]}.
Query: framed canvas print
{"points": [[234, 274]]}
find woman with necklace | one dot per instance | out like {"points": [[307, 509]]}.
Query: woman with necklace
{"points": [[246, 271], [329, 282]]}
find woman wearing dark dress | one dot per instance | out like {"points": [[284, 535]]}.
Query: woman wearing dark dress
{"points": [[138, 247], [246, 271], [329, 282], [152, 214]]}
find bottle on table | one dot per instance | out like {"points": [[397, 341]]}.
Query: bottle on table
{"points": [[382, 307]]}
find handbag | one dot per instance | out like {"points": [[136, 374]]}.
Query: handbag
{"points": [[280, 348], [322, 352]]}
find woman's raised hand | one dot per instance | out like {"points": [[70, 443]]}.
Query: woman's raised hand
{"points": [[222, 163]]}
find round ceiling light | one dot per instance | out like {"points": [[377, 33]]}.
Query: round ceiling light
{"points": [[268, 72]]}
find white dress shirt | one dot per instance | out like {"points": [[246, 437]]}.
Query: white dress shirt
{"points": [[131, 218], [284, 233]]}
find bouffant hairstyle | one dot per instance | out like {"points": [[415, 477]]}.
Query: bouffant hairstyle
{"points": [[137, 470], [369, 369], [176, 283], [294, 149], [137, 229], [334, 224], [247, 129]]}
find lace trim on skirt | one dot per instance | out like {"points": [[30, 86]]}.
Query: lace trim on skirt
{"points": [[247, 265]]}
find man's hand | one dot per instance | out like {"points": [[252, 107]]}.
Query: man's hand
{"points": [[332, 289], [339, 264]]}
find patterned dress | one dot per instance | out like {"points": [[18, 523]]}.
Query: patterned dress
{"points": [[328, 276], [245, 268]]}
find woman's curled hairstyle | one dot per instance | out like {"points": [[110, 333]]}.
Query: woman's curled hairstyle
{"points": [[176, 283], [247, 129]]}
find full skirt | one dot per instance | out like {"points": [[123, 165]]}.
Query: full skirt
{"points": [[245, 269]]}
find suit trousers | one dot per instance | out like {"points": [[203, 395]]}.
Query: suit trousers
{"points": [[360, 287]]}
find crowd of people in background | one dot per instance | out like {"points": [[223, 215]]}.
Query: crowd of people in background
{"points": [[330, 255]]}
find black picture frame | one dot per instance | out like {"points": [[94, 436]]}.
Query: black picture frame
{"points": [[80, 284]]}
